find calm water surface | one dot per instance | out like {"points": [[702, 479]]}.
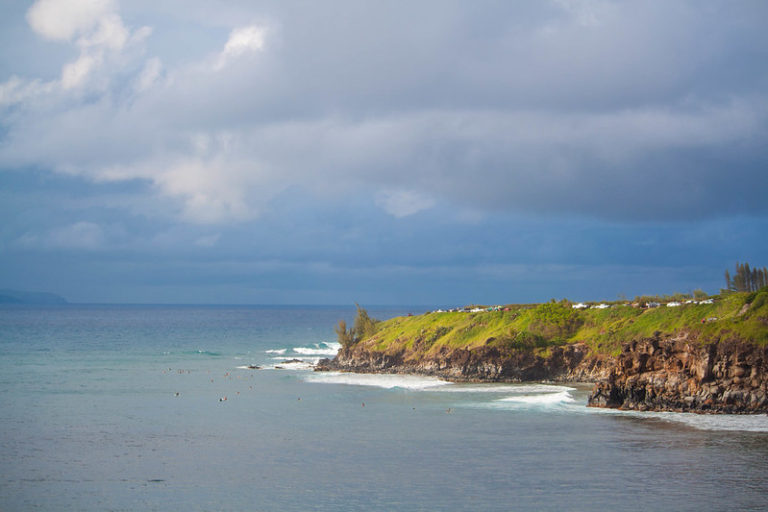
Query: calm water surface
{"points": [[122, 408]]}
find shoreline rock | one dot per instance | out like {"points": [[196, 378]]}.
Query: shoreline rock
{"points": [[681, 375], [569, 363], [673, 374]]}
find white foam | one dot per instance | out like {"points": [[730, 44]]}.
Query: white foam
{"points": [[505, 388], [563, 397], [732, 422], [277, 351], [722, 422], [319, 349], [294, 365], [386, 381]]}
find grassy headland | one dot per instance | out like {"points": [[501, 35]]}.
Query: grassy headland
{"points": [[539, 327]]}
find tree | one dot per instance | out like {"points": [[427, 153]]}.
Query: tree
{"points": [[363, 327], [345, 337], [746, 279]]}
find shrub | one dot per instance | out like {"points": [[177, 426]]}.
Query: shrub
{"points": [[364, 327]]}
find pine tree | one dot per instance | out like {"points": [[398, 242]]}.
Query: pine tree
{"points": [[746, 279], [344, 335], [364, 327]]}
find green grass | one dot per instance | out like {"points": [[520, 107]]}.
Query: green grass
{"points": [[539, 327]]}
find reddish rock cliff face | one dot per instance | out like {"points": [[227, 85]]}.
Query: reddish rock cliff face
{"points": [[683, 375], [569, 363]]}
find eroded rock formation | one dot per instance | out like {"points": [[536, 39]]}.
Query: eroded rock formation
{"points": [[678, 374]]}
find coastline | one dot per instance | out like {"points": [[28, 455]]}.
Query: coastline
{"points": [[619, 383], [711, 359]]}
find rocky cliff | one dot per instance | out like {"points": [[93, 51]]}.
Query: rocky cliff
{"points": [[653, 374], [570, 363], [680, 374]]}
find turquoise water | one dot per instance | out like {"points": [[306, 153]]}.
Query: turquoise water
{"points": [[122, 408]]}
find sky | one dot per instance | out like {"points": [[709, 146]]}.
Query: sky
{"points": [[432, 152]]}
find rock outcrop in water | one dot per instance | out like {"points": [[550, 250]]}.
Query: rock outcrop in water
{"points": [[684, 375]]}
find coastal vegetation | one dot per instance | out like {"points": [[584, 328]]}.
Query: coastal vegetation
{"points": [[364, 326], [538, 327], [746, 279]]}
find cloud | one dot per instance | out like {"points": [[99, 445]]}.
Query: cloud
{"points": [[402, 203], [548, 108], [208, 240], [17, 90], [93, 26], [242, 41], [61, 20], [81, 235], [75, 73], [149, 75]]}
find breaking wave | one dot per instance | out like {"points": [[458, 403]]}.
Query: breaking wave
{"points": [[505, 388], [324, 348], [386, 381], [300, 358], [319, 349], [562, 397]]}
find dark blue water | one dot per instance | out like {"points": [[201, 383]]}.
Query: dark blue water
{"points": [[122, 408]]}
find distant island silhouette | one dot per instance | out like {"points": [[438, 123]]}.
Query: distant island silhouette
{"points": [[23, 297]]}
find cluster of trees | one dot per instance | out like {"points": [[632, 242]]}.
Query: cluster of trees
{"points": [[364, 327], [746, 279]]}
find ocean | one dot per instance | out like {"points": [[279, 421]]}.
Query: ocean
{"points": [[114, 408]]}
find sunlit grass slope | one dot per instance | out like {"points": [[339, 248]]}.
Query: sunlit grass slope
{"points": [[537, 327]]}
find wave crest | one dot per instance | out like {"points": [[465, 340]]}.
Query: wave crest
{"points": [[379, 380], [563, 397], [324, 348]]}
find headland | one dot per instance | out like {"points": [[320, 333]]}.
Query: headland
{"points": [[706, 356]]}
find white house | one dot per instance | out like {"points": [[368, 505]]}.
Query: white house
{"points": [[673, 304], [601, 306], [580, 305]]}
